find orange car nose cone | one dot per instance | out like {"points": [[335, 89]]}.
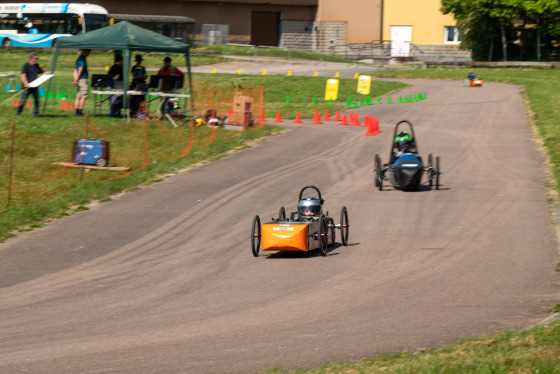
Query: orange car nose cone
{"points": [[285, 237]]}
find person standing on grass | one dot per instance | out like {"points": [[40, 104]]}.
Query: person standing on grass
{"points": [[81, 81], [116, 72], [29, 72]]}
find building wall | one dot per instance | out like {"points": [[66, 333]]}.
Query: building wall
{"points": [[236, 15], [424, 16], [361, 17]]}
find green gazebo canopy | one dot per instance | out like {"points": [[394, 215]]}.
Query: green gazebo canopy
{"points": [[126, 37]]}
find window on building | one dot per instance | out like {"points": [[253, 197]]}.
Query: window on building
{"points": [[452, 35]]}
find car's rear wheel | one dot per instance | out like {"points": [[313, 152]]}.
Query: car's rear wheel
{"points": [[323, 235], [438, 172], [344, 226], [430, 170], [6, 43], [378, 172], [256, 236]]}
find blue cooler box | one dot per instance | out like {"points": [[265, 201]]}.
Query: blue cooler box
{"points": [[91, 152]]}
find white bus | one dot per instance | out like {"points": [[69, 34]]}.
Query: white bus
{"points": [[40, 24]]}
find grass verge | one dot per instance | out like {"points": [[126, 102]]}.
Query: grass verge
{"points": [[536, 350]]}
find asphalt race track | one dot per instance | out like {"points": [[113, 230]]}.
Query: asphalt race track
{"points": [[162, 280]]}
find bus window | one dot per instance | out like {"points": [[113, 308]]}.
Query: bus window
{"points": [[95, 21], [73, 26]]}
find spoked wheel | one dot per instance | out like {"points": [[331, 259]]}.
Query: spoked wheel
{"points": [[281, 214], [323, 235], [344, 226], [438, 172], [256, 236], [378, 173], [430, 169]]}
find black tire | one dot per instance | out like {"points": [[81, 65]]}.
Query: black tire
{"points": [[344, 226], [282, 214], [256, 236], [430, 170], [438, 172], [375, 171], [6, 43], [323, 235], [101, 162], [378, 173]]}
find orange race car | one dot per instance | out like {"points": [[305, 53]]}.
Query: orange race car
{"points": [[305, 230], [472, 80]]}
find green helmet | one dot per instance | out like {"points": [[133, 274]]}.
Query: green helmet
{"points": [[403, 140]]}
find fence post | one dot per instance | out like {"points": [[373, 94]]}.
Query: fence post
{"points": [[11, 167], [83, 170]]}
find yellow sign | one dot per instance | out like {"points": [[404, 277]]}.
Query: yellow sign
{"points": [[364, 84], [331, 93]]}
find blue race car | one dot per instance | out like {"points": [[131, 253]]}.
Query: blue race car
{"points": [[405, 167]]}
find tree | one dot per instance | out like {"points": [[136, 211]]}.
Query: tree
{"points": [[546, 14], [483, 21], [485, 14]]}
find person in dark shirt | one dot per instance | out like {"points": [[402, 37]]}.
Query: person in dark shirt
{"points": [[116, 72], [29, 72], [138, 72], [139, 76]]}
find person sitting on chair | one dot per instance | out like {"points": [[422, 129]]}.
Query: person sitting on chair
{"points": [[167, 69]]}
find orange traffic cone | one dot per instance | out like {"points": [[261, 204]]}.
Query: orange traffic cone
{"points": [[355, 120], [62, 105], [262, 118], [278, 117], [337, 117], [343, 123], [28, 104], [367, 120], [298, 118], [72, 105], [327, 116], [373, 128], [14, 103], [317, 118]]}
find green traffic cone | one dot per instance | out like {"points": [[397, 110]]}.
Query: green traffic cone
{"points": [[287, 99], [389, 101]]}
